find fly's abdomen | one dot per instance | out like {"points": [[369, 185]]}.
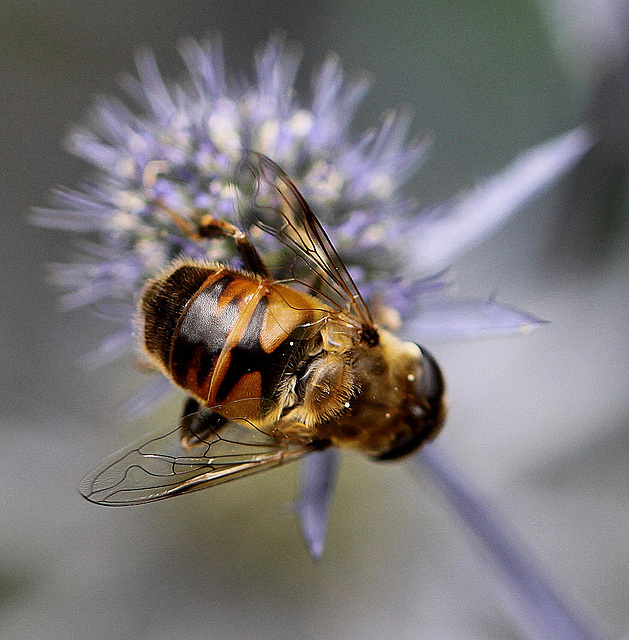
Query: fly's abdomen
{"points": [[230, 338]]}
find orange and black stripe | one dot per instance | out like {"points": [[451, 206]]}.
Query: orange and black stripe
{"points": [[230, 337]]}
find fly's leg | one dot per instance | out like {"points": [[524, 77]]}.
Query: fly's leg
{"points": [[209, 227], [198, 425]]}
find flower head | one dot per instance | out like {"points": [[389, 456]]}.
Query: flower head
{"points": [[175, 147], [180, 146]]}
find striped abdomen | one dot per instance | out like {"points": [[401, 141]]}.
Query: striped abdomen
{"points": [[227, 337]]}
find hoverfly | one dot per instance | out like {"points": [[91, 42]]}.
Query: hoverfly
{"points": [[279, 359]]}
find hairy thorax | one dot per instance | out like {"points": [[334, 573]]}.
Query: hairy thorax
{"points": [[384, 378], [373, 391]]}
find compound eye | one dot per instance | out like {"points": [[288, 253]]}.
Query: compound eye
{"points": [[430, 386]]}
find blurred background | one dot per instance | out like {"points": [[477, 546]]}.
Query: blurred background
{"points": [[538, 421]]}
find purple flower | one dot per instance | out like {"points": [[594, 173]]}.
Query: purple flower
{"points": [[179, 145]]}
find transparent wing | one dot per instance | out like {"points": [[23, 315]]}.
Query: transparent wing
{"points": [[274, 205], [161, 467]]}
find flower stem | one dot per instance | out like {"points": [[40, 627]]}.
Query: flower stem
{"points": [[535, 602]]}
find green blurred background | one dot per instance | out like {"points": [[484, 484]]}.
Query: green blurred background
{"points": [[539, 421]]}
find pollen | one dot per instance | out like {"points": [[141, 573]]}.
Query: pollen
{"points": [[223, 132], [268, 134], [131, 202], [381, 185], [301, 123]]}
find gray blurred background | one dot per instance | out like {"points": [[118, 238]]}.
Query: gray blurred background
{"points": [[538, 421]]}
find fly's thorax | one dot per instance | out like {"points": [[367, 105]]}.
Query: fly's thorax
{"points": [[393, 411], [385, 372]]}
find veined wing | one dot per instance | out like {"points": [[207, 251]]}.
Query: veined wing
{"points": [[160, 466], [276, 206]]}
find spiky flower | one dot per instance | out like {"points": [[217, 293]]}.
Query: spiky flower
{"points": [[176, 147], [180, 147]]}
